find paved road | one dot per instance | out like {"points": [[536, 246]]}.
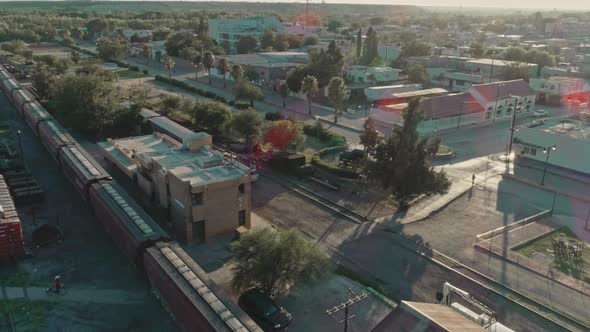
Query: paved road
{"points": [[101, 296]]}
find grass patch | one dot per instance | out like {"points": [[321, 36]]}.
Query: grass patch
{"points": [[377, 285], [130, 74], [26, 315], [544, 245], [19, 278]]}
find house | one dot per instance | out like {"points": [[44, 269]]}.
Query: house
{"points": [[144, 35], [561, 90], [493, 69], [203, 193], [500, 99], [365, 74], [566, 141], [453, 80], [227, 32], [376, 94]]}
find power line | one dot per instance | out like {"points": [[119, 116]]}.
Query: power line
{"points": [[355, 298]]}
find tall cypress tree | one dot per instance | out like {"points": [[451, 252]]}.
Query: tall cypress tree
{"points": [[367, 46], [359, 44]]}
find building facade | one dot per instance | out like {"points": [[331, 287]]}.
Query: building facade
{"points": [[365, 74], [227, 32], [203, 193]]}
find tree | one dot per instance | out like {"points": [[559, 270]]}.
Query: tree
{"points": [[75, 56], [541, 58], [336, 92], [138, 95], [69, 41], [211, 117], [359, 44], [283, 134], [247, 124], [371, 47], [89, 103], [370, 137], [180, 40], [247, 91], [246, 44], [275, 261], [159, 56], [169, 104], [311, 40], [111, 48], [27, 54], [223, 67], [415, 48], [402, 163], [295, 78], [281, 45], [325, 64], [284, 92], [97, 26], [195, 58], [418, 74], [476, 50], [268, 39], [310, 88], [514, 54], [515, 71], [169, 63], [334, 25], [147, 52], [237, 72], [295, 41], [377, 62], [208, 62], [42, 79]]}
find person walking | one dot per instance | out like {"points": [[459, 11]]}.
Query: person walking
{"points": [[473, 179], [57, 284]]}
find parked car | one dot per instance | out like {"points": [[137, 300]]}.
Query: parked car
{"points": [[540, 113], [264, 311]]}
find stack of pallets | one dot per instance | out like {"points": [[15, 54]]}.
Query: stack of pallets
{"points": [[11, 235], [23, 186]]}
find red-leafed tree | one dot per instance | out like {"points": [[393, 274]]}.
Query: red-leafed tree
{"points": [[283, 134]]}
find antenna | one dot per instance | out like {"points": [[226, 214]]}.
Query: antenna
{"points": [[355, 298]]}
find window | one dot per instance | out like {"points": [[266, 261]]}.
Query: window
{"points": [[509, 110], [533, 151], [528, 107], [242, 218], [488, 115], [242, 188], [197, 198]]}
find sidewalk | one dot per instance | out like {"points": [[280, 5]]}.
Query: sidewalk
{"points": [[101, 296]]}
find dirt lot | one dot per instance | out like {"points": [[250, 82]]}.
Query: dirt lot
{"points": [[87, 260], [54, 49]]}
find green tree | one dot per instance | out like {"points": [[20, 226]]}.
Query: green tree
{"points": [[325, 64], [476, 50], [169, 63], [138, 96], [75, 56], [371, 47], [370, 137], [295, 78], [246, 44], [42, 79], [211, 117], [169, 104], [237, 72], [97, 26], [514, 54], [247, 91], [268, 39], [281, 45], [415, 48], [418, 74], [515, 71], [284, 92], [147, 52], [310, 88], [540, 58], [402, 163], [223, 67], [247, 124], [336, 92], [274, 261], [359, 44], [311, 40], [334, 25], [27, 54], [180, 40], [208, 62], [111, 48]]}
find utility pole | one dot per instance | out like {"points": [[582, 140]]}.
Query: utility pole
{"points": [[306, 13], [512, 130], [355, 298]]}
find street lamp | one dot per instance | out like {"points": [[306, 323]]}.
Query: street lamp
{"points": [[547, 151], [512, 129], [20, 146]]}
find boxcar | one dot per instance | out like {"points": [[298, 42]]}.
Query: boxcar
{"points": [[4, 74], [187, 293], [34, 114], [80, 168], [130, 227], [20, 98], [54, 137], [8, 86]]}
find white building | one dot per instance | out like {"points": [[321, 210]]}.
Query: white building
{"points": [[365, 74], [569, 137], [143, 34], [228, 31]]}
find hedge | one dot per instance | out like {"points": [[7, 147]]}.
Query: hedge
{"points": [[343, 172], [318, 131], [273, 116]]}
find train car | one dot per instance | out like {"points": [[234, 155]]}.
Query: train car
{"points": [[54, 137], [4, 74], [8, 86], [166, 126], [187, 293], [130, 227], [21, 98], [80, 168], [34, 114]]}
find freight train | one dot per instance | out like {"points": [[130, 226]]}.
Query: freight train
{"points": [[179, 283]]}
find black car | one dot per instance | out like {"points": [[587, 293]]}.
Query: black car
{"points": [[264, 311]]}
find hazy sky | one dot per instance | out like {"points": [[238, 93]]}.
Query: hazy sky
{"points": [[540, 4]]}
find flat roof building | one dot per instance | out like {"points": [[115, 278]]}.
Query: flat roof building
{"points": [[204, 192]]}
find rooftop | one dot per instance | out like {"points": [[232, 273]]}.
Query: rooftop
{"points": [[419, 93], [497, 62], [503, 90], [441, 107]]}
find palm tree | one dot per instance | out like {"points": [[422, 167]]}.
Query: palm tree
{"points": [[310, 87], [208, 62], [169, 64], [196, 62], [336, 91], [147, 52], [223, 68]]}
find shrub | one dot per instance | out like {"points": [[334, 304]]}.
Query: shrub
{"points": [[326, 136], [343, 172], [241, 106], [146, 72], [210, 94], [273, 116], [134, 68]]}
